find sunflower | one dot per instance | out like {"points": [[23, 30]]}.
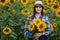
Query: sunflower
{"points": [[12, 1], [59, 5], [41, 26], [50, 2], [44, 1], [44, 11], [55, 7], [31, 6], [58, 13], [31, 26], [33, 1], [51, 27], [54, 25], [6, 30], [24, 2], [47, 7], [37, 21], [14, 11], [3, 2], [9, 9], [25, 12], [56, 2]]}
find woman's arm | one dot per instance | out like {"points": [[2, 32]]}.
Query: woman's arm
{"points": [[47, 30], [26, 32]]}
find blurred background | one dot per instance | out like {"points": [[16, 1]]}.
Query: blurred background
{"points": [[13, 15]]}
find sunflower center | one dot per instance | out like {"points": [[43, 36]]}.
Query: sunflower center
{"points": [[26, 11], [41, 26], [59, 13], [49, 1], [11, 1], [44, 0], [31, 26], [7, 30], [2, 1], [55, 6], [24, 0], [37, 22], [33, 2]]}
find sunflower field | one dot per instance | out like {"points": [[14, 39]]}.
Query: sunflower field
{"points": [[14, 13]]}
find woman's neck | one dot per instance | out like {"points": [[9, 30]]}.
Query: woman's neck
{"points": [[38, 15]]}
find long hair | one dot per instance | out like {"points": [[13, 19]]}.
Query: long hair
{"points": [[34, 11]]}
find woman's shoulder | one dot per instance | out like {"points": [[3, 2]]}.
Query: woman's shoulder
{"points": [[45, 17]]}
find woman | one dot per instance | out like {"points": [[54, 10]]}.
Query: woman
{"points": [[38, 13]]}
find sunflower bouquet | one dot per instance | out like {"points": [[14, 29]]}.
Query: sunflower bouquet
{"points": [[37, 26]]}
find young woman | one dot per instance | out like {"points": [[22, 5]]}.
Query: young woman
{"points": [[38, 13]]}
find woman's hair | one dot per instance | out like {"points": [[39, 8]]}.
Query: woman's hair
{"points": [[34, 11]]}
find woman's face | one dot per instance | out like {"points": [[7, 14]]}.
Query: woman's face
{"points": [[38, 9]]}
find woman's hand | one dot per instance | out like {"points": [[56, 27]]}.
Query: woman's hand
{"points": [[37, 35]]}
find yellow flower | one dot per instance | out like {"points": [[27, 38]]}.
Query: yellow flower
{"points": [[14, 11], [44, 11], [55, 25], [47, 7], [31, 6], [44, 1], [25, 12], [6, 30], [3, 2], [51, 27], [41, 26], [9, 9], [55, 7], [37, 21], [24, 2], [59, 5], [55, 2], [31, 26], [58, 13], [12, 1], [33, 1], [50, 2]]}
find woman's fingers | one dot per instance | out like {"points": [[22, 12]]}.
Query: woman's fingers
{"points": [[37, 35]]}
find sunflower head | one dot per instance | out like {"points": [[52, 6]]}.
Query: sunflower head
{"points": [[24, 2], [14, 11], [44, 11], [44, 1], [25, 12], [33, 1], [55, 25], [49, 2], [58, 13], [31, 6], [6, 30], [37, 21], [31, 26], [3, 2], [55, 7], [56, 2], [41, 26], [12, 1]]}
